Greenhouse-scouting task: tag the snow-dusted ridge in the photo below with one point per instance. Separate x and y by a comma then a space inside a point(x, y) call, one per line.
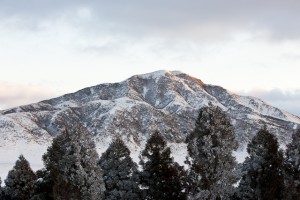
point(167, 101)
point(260, 107)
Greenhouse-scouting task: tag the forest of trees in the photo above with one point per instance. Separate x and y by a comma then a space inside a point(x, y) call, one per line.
point(74, 171)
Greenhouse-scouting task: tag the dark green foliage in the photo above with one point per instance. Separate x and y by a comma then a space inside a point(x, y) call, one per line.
point(210, 147)
point(120, 173)
point(263, 178)
point(162, 178)
point(72, 161)
point(1, 190)
point(19, 181)
point(42, 186)
point(292, 168)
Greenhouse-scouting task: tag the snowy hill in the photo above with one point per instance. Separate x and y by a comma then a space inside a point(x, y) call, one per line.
point(166, 101)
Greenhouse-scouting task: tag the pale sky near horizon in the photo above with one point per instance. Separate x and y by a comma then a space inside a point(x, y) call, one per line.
point(52, 47)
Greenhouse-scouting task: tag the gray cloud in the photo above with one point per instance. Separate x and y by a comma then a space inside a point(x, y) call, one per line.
point(286, 100)
point(214, 19)
point(99, 27)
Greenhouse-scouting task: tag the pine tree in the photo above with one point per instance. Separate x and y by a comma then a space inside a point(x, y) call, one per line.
point(210, 147)
point(19, 181)
point(120, 173)
point(72, 161)
point(42, 186)
point(1, 190)
point(292, 168)
point(162, 178)
point(262, 177)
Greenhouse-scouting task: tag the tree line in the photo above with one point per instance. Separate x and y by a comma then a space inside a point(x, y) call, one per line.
point(73, 170)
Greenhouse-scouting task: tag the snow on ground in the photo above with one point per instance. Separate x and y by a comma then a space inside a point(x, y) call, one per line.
point(32, 152)
point(176, 72)
point(258, 106)
point(261, 107)
point(145, 91)
point(292, 118)
point(35, 152)
point(295, 127)
point(179, 152)
point(240, 155)
point(67, 104)
point(155, 75)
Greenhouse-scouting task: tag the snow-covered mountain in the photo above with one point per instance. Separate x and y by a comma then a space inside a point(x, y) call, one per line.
point(167, 101)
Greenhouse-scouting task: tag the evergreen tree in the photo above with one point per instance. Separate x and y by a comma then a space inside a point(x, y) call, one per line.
point(120, 173)
point(262, 177)
point(292, 168)
point(72, 161)
point(162, 178)
point(210, 147)
point(1, 190)
point(19, 181)
point(42, 186)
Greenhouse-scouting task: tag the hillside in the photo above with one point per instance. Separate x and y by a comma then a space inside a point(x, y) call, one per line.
point(167, 101)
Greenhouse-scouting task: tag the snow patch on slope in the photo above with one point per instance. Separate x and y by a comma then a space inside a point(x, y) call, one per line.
point(179, 152)
point(292, 118)
point(158, 74)
point(22, 127)
point(176, 72)
point(67, 104)
point(260, 107)
point(240, 155)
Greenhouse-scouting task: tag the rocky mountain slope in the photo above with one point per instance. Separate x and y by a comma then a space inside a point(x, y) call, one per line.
point(163, 100)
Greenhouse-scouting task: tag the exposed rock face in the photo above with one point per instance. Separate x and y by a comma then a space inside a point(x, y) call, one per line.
point(164, 101)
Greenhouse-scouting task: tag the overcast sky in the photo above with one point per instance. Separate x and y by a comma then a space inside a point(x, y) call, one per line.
point(52, 47)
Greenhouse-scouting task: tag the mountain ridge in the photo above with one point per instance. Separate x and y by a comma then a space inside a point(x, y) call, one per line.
point(164, 101)
point(157, 92)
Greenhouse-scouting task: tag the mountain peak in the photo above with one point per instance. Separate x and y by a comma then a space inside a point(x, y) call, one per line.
point(159, 74)
point(164, 101)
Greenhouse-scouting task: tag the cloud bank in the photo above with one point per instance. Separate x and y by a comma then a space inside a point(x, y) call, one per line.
point(12, 95)
point(197, 19)
point(234, 43)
